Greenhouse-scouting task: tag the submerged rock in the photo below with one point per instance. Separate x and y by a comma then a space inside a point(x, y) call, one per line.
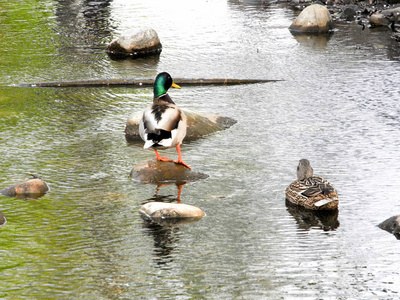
point(31, 188)
point(155, 171)
point(3, 220)
point(140, 43)
point(198, 125)
point(313, 19)
point(392, 225)
point(162, 210)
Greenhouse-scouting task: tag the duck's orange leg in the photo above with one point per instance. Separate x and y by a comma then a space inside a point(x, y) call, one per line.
point(180, 161)
point(179, 186)
point(158, 157)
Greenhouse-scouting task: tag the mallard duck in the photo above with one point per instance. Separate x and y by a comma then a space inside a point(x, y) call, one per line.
point(310, 191)
point(163, 124)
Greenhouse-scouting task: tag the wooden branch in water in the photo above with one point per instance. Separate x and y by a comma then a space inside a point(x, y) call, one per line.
point(136, 83)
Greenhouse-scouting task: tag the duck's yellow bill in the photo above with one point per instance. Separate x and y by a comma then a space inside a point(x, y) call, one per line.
point(174, 85)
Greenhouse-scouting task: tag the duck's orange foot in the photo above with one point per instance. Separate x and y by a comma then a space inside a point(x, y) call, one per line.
point(182, 163)
point(163, 158)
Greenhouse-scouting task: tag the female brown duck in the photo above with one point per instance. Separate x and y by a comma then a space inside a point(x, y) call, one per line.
point(310, 191)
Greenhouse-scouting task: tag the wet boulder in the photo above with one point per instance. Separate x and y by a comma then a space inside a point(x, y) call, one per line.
point(385, 17)
point(32, 188)
point(378, 19)
point(134, 44)
point(198, 125)
point(162, 210)
point(392, 225)
point(313, 19)
point(154, 171)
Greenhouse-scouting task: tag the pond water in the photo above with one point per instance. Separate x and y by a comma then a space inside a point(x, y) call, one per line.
point(337, 106)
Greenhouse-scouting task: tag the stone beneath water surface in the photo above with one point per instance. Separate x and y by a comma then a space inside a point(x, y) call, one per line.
point(31, 188)
point(3, 220)
point(161, 211)
point(313, 19)
point(133, 44)
point(198, 125)
point(392, 225)
point(154, 171)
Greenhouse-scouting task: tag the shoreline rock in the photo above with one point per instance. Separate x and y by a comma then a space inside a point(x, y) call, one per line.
point(385, 17)
point(313, 19)
point(367, 14)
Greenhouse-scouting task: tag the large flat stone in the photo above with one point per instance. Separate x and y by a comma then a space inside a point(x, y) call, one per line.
point(154, 171)
point(198, 125)
point(165, 210)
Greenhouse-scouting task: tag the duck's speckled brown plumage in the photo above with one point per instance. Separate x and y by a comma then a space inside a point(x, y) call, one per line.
point(312, 192)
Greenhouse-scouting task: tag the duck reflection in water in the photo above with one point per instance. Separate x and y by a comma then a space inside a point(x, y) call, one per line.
point(168, 198)
point(165, 237)
point(307, 219)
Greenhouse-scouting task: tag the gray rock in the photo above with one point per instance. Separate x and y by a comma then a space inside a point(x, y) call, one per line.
point(392, 225)
point(313, 19)
point(140, 43)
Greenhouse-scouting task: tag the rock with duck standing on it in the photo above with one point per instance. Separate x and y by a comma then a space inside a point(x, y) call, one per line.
point(313, 19)
point(133, 44)
point(32, 188)
point(166, 211)
point(156, 171)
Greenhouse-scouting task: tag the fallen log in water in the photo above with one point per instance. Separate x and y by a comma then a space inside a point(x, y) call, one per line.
point(142, 82)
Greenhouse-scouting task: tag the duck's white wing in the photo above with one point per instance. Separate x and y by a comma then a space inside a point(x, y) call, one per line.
point(162, 125)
